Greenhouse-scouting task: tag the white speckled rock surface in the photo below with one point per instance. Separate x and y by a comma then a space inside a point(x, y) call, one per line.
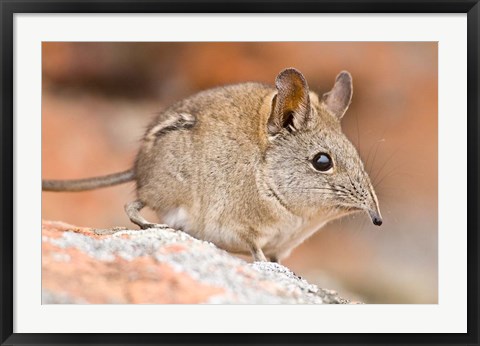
point(158, 266)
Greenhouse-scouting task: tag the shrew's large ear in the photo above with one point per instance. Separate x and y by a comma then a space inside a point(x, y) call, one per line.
point(338, 99)
point(291, 104)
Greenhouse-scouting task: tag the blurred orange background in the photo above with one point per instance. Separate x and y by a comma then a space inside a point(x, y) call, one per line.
point(97, 99)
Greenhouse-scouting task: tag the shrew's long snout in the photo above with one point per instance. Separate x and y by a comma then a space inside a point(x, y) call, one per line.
point(368, 200)
point(374, 211)
point(373, 208)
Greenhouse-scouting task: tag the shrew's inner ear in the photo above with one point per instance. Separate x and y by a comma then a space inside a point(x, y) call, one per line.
point(291, 104)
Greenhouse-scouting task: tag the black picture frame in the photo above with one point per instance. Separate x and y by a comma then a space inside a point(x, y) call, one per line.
point(10, 7)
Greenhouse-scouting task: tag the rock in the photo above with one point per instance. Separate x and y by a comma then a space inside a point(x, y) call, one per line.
point(155, 266)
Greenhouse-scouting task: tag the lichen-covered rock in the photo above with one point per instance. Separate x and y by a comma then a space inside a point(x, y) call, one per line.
point(156, 266)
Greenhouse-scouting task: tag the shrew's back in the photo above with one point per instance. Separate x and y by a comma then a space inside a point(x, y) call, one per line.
point(198, 160)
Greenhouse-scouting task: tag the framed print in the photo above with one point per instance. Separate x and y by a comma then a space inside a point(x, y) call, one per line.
point(266, 172)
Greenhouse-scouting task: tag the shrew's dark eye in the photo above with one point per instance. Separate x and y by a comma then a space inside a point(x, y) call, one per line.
point(322, 162)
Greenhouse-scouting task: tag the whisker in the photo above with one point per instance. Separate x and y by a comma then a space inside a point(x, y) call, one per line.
point(329, 192)
point(370, 150)
point(385, 131)
point(315, 188)
point(372, 164)
point(358, 135)
point(393, 172)
point(385, 163)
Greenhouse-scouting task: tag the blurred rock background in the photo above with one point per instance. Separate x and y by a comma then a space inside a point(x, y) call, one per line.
point(97, 99)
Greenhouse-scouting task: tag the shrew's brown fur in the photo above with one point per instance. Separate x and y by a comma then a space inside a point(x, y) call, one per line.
point(235, 166)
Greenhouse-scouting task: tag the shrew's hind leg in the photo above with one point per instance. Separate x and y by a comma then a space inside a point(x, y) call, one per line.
point(133, 211)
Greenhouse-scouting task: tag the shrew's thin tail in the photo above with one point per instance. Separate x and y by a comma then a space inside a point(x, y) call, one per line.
point(88, 183)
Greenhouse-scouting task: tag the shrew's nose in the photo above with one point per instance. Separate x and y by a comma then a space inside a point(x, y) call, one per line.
point(377, 221)
point(376, 217)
